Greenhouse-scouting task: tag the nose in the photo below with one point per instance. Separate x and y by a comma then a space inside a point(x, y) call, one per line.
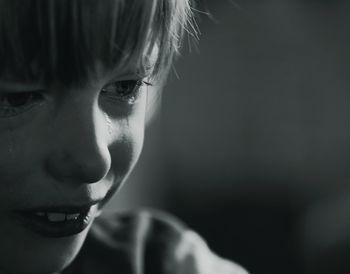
point(79, 151)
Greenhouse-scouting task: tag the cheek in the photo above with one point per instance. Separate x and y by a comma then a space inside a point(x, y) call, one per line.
point(21, 171)
point(17, 163)
point(126, 151)
point(126, 148)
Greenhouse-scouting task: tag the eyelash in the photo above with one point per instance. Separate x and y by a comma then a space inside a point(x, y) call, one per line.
point(12, 104)
point(125, 94)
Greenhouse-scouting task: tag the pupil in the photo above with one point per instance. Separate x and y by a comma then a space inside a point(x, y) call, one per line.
point(127, 87)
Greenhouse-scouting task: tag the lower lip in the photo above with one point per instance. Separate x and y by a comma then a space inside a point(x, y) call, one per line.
point(49, 229)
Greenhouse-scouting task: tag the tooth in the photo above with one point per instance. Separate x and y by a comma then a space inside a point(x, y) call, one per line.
point(72, 216)
point(56, 217)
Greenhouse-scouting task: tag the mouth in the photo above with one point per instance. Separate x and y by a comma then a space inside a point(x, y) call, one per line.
point(56, 221)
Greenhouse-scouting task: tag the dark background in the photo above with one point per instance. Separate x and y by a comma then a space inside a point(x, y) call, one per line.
point(251, 143)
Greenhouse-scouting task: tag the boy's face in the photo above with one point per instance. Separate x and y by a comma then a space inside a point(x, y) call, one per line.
point(63, 152)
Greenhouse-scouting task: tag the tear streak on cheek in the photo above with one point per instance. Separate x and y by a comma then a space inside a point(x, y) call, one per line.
point(109, 124)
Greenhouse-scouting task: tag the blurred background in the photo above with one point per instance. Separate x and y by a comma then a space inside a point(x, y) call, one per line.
point(251, 144)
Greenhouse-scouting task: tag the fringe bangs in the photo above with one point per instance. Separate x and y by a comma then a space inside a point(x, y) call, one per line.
point(62, 40)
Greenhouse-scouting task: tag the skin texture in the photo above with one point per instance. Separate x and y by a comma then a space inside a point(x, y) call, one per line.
point(73, 146)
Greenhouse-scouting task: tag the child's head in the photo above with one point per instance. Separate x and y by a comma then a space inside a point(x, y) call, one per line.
point(64, 40)
point(74, 76)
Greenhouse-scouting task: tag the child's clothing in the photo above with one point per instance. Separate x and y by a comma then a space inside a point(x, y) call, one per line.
point(146, 242)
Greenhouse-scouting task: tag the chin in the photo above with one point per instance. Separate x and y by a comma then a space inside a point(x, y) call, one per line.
point(43, 255)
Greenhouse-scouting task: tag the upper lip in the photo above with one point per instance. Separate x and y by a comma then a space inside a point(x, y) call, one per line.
point(61, 208)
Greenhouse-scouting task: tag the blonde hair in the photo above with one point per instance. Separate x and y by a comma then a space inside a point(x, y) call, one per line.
point(61, 40)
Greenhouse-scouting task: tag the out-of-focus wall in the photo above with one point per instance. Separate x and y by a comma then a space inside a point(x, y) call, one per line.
point(251, 147)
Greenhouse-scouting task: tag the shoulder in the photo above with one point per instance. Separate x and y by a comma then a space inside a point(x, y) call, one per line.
point(151, 241)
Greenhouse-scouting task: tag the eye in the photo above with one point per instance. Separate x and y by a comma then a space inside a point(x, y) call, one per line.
point(15, 103)
point(126, 91)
